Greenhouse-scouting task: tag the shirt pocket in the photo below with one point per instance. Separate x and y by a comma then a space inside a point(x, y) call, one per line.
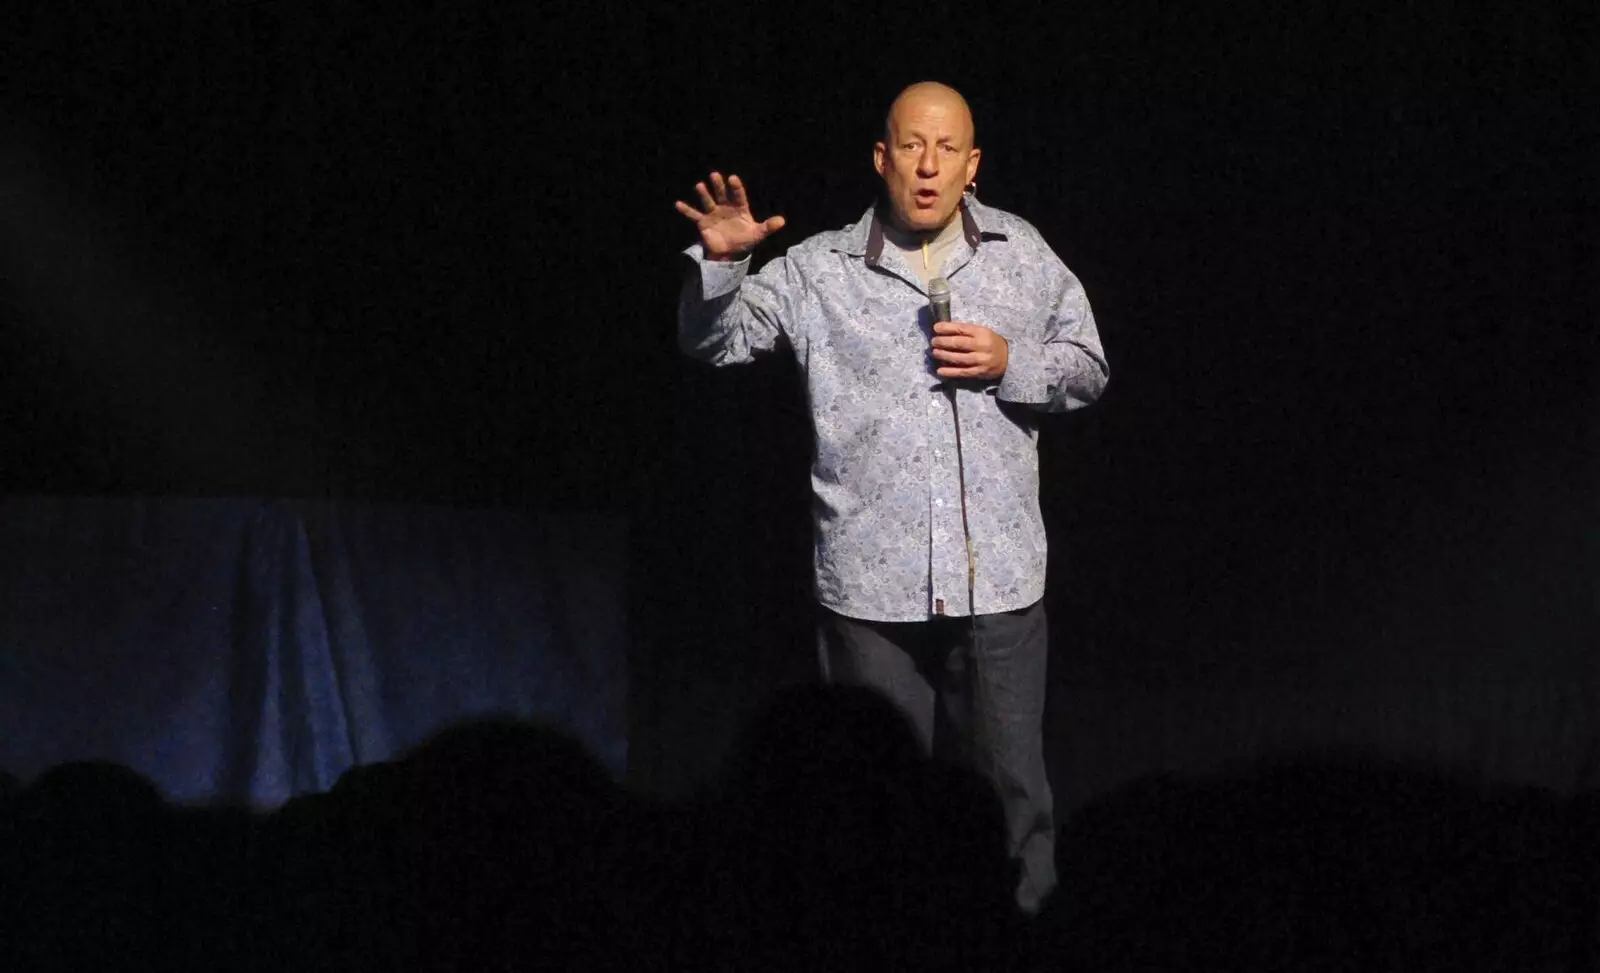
point(876, 342)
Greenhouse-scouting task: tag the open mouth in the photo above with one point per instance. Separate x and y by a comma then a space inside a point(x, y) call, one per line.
point(926, 197)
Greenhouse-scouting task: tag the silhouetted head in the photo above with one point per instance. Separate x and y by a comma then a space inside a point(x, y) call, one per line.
point(91, 789)
point(814, 733)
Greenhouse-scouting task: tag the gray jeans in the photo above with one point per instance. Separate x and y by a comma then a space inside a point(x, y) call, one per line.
point(981, 704)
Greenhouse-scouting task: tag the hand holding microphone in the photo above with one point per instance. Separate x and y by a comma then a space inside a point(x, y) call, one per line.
point(968, 350)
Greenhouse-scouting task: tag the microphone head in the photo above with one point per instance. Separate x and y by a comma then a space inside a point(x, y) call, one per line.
point(939, 299)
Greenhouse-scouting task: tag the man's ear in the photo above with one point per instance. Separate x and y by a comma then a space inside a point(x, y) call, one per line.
point(973, 158)
point(878, 151)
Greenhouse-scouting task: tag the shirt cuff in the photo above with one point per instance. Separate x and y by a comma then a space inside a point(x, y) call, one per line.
point(718, 277)
point(1027, 380)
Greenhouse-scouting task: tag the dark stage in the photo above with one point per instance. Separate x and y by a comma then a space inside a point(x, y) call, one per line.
point(340, 403)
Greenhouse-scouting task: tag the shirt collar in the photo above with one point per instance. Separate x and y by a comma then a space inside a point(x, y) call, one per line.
point(866, 237)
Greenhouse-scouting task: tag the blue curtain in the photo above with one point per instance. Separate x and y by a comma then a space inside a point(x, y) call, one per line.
point(250, 651)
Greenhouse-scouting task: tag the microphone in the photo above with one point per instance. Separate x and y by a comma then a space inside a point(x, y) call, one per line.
point(939, 306)
point(939, 299)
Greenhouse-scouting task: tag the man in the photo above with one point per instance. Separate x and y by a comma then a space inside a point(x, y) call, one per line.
point(925, 470)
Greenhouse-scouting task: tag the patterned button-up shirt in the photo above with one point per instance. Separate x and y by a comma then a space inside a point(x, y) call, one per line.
point(887, 497)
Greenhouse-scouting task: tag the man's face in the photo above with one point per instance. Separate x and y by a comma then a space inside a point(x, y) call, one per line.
point(926, 160)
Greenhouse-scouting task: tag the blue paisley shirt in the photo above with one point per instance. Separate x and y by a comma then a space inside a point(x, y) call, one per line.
point(886, 487)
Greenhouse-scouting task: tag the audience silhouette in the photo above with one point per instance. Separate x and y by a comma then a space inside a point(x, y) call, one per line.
point(829, 842)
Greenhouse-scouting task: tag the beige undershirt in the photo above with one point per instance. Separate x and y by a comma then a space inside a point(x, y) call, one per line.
point(937, 245)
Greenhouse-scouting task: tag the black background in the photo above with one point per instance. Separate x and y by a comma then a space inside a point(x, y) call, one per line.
point(1341, 256)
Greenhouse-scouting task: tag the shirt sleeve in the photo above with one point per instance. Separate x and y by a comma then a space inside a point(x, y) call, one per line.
point(1065, 369)
point(727, 316)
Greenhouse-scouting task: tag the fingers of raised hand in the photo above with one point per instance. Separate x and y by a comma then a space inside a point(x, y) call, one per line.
point(958, 342)
point(716, 194)
point(706, 202)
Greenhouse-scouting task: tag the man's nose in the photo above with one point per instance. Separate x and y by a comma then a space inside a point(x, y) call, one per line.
point(928, 164)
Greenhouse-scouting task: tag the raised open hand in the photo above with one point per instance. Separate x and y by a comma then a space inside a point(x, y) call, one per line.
point(727, 229)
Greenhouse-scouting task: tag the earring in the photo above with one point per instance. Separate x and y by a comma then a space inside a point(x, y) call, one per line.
point(972, 189)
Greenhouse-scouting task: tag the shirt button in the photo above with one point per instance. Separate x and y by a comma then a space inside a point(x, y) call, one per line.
point(938, 503)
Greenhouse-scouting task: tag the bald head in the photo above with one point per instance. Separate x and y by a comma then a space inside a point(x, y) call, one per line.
point(929, 94)
point(928, 154)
